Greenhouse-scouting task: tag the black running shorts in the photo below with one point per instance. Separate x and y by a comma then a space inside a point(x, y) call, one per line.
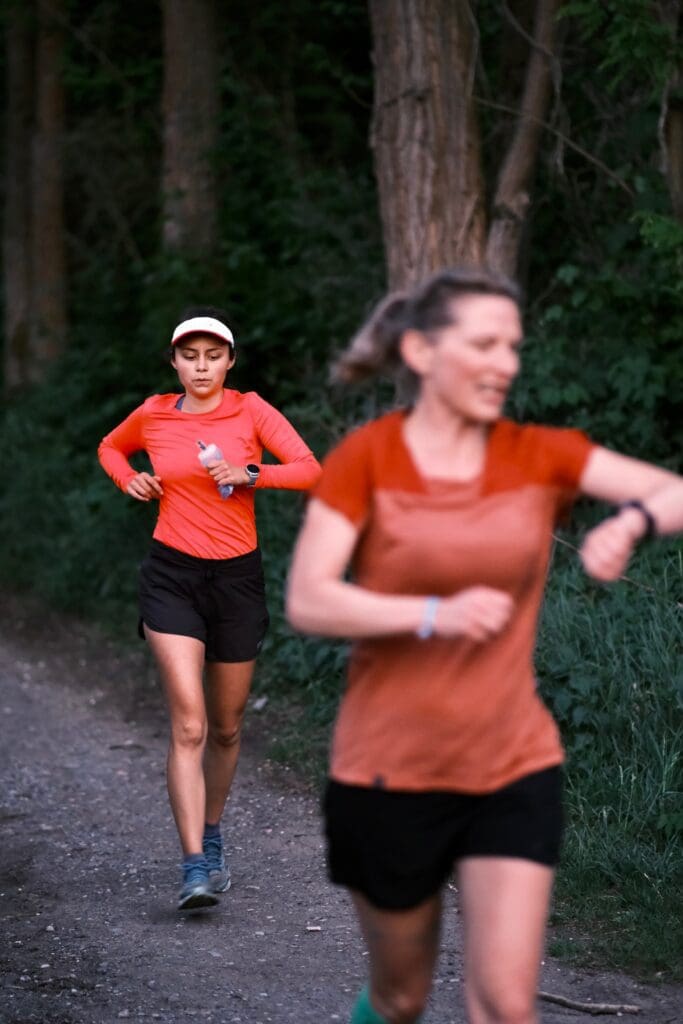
point(221, 602)
point(398, 848)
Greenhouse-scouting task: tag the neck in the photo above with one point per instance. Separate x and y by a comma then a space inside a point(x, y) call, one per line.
point(445, 444)
point(193, 404)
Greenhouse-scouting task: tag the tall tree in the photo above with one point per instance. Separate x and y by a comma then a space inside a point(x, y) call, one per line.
point(48, 258)
point(671, 119)
point(16, 221)
point(513, 189)
point(427, 140)
point(190, 113)
point(425, 135)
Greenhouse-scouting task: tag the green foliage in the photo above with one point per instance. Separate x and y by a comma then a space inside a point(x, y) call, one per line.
point(636, 37)
point(604, 354)
point(611, 668)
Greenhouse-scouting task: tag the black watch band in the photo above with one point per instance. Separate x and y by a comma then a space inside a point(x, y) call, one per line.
point(650, 524)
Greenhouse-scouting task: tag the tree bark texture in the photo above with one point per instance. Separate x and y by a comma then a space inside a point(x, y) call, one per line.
point(425, 136)
point(512, 197)
point(671, 117)
point(48, 258)
point(16, 221)
point(190, 113)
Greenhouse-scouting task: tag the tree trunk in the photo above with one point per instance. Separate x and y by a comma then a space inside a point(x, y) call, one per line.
point(425, 136)
point(671, 118)
point(512, 196)
point(48, 261)
point(190, 112)
point(16, 227)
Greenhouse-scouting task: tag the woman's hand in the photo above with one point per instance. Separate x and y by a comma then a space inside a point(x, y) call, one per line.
point(478, 613)
point(225, 473)
point(607, 548)
point(144, 486)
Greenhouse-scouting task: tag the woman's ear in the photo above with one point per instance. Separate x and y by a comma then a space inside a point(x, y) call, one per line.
point(417, 352)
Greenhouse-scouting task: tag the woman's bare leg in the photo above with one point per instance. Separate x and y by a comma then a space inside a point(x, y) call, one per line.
point(180, 660)
point(227, 691)
point(403, 946)
point(504, 902)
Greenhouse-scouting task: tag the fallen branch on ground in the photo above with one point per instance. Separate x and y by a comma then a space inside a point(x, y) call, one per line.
point(594, 1008)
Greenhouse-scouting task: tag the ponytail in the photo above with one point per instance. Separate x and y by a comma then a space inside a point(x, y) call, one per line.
point(374, 350)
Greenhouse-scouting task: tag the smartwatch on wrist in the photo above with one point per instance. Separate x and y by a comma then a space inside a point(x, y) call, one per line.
point(253, 472)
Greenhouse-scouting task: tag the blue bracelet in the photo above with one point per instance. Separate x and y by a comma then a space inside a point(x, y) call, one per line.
point(426, 627)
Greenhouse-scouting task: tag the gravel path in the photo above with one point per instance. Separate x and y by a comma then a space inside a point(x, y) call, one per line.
point(89, 868)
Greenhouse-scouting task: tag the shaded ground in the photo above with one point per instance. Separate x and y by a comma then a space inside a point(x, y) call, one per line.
point(89, 868)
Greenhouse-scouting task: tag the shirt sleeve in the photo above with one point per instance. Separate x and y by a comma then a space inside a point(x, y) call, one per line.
point(122, 442)
point(299, 469)
point(346, 484)
point(563, 453)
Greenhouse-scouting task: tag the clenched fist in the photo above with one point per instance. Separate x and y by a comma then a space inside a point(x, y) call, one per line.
point(607, 548)
point(144, 486)
point(478, 613)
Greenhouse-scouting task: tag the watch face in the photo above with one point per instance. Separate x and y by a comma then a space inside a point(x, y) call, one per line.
point(252, 469)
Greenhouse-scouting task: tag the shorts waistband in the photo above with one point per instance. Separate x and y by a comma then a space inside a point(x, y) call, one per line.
point(249, 562)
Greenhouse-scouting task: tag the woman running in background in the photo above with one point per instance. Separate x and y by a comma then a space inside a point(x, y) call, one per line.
point(202, 595)
point(443, 752)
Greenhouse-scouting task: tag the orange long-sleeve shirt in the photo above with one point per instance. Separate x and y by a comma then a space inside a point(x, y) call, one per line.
point(193, 517)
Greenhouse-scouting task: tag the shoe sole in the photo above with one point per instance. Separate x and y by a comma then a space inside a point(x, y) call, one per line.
point(197, 900)
point(217, 886)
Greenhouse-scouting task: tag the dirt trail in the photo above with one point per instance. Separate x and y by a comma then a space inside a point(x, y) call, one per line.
point(88, 869)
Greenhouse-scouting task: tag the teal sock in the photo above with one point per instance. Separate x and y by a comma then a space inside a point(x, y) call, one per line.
point(212, 830)
point(363, 1012)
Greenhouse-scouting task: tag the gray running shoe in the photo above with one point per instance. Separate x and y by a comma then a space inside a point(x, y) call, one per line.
point(219, 871)
point(196, 891)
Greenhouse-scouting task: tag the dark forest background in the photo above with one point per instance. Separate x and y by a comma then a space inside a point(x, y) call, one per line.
point(163, 154)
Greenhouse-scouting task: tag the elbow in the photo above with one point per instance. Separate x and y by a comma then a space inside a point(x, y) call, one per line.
point(294, 612)
point(298, 609)
point(315, 472)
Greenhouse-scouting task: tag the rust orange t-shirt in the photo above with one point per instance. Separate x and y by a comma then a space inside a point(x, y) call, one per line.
point(448, 713)
point(193, 517)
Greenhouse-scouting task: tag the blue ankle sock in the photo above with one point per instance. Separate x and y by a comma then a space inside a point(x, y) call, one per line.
point(363, 1013)
point(212, 830)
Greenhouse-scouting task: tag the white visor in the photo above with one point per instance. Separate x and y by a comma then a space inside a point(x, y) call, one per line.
point(203, 325)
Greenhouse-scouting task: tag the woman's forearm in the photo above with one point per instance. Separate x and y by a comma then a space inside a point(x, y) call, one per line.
point(340, 609)
point(300, 474)
point(666, 507)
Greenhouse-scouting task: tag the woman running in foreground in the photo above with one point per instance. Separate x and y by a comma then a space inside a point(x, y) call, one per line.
point(202, 596)
point(443, 752)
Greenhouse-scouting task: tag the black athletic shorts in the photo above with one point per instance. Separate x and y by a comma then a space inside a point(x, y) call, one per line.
point(398, 848)
point(220, 601)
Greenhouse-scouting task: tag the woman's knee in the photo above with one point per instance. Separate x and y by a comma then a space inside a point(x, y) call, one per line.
point(504, 1007)
point(225, 734)
point(188, 733)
